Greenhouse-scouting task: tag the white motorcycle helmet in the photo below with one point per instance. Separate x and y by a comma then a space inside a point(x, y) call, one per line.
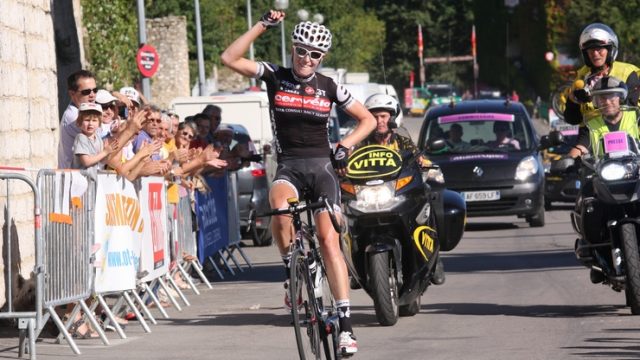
point(312, 34)
point(385, 102)
point(609, 85)
point(596, 35)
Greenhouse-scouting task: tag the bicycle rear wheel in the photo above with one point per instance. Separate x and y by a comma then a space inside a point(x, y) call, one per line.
point(306, 322)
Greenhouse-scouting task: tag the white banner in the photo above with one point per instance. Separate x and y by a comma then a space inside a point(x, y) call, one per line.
point(154, 256)
point(118, 234)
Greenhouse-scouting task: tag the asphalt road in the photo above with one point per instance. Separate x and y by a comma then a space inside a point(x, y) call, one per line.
point(512, 292)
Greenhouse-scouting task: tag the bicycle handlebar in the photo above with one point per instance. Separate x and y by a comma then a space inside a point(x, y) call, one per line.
point(293, 209)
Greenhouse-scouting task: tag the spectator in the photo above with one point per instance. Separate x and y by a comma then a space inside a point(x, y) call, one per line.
point(175, 122)
point(81, 86)
point(134, 100)
point(150, 129)
point(467, 95)
point(88, 148)
point(204, 125)
point(514, 96)
point(215, 116)
point(109, 111)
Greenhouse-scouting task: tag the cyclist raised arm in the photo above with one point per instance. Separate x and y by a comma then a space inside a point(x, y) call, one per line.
point(300, 101)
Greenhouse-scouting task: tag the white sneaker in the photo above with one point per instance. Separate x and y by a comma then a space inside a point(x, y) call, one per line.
point(348, 345)
point(287, 301)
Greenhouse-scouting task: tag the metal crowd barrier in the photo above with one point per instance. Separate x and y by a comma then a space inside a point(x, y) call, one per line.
point(68, 231)
point(28, 321)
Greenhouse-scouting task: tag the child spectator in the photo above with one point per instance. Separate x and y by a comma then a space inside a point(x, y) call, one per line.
point(88, 149)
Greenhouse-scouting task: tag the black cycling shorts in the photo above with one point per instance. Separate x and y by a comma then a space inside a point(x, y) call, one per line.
point(315, 174)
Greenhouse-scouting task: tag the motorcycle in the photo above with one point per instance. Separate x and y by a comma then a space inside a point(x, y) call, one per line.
point(607, 215)
point(561, 179)
point(396, 222)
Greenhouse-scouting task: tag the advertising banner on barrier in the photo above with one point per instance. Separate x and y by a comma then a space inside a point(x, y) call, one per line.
point(211, 212)
point(118, 233)
point(154, 254)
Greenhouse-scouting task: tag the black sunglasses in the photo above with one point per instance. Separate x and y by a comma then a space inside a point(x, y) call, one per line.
point(313, 54)
point(86, 92)
point(110, 105)
point(187, 134)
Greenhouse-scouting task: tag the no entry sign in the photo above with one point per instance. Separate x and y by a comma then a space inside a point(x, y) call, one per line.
point(148, 60)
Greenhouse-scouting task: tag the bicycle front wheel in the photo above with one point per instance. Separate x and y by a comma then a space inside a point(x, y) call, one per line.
point(306, 321)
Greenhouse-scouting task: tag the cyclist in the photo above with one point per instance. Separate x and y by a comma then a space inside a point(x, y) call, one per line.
point(386, 110)
point(300, 101)
point(599, 46)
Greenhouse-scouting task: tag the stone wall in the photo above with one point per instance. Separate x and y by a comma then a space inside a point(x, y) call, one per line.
point(29, 108)
point(169, 36)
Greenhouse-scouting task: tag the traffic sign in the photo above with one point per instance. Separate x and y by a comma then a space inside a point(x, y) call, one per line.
point(148, 60)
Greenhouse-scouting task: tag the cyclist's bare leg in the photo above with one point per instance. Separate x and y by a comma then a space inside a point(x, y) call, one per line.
point(332, 255)
point(281, 225)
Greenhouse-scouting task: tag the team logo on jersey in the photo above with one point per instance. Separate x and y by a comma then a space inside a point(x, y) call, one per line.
point(286, 100)
point(309, 90)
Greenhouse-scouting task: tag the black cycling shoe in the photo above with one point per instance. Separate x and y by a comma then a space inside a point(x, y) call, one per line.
point(438, 274)
point(596, 276)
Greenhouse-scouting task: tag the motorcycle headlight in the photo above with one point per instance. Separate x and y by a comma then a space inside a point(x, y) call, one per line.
point(527, 167)
point(376, 198)
point(618, 171)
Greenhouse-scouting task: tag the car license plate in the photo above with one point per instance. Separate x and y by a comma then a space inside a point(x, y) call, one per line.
point(491, 195)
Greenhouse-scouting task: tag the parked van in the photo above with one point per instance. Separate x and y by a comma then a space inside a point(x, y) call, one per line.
point(249, 109)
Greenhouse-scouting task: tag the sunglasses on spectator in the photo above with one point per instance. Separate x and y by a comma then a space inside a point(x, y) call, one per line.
point(313, 54)
point(110, 105)
point(187, 135)
point(157, 121)
point(86, 92)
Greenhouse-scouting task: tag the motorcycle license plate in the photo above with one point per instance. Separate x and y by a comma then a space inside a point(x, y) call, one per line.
point(490, 195)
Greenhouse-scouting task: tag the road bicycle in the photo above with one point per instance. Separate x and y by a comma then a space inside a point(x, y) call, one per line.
point(315, 319)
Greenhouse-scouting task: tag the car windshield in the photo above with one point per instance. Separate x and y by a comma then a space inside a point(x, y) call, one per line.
point(479, 133)
point(441, 91)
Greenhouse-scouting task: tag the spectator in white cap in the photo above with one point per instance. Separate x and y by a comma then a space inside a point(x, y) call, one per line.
point(136, 100)
point(88, 149)
point(108, 103)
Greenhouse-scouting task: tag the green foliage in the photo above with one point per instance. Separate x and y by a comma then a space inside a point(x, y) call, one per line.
point(111, 41)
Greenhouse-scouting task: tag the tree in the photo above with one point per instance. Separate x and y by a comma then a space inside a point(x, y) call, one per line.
point(111, 41)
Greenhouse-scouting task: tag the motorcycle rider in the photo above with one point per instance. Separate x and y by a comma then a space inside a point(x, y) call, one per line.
point(608, 94)
point(300, 101)
point(599, 47)
point(386, 110)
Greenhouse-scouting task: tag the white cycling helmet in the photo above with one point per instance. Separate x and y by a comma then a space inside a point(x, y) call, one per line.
point(312, 34)
point(385, 102)
point(595, 35)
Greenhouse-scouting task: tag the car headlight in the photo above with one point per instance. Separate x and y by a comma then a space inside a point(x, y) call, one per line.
point(376, 198)
point(527, 167)
point(617, 171)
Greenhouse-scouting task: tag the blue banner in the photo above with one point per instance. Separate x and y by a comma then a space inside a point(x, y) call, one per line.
point(211, 212)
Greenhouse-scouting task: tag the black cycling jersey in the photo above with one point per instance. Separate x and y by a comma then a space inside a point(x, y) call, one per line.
point(299, 110)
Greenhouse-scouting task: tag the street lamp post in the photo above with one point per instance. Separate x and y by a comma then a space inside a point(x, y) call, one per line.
point(282, 5)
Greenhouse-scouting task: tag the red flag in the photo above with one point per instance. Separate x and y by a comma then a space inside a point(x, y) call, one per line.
point(473, 41)
point(420, 46)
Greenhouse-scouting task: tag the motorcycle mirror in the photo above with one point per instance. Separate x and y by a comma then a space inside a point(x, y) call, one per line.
point(556, 138)
point(436, 144)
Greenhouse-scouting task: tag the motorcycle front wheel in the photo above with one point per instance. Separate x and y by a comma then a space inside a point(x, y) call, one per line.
point(631, 266)
point(384, 288)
